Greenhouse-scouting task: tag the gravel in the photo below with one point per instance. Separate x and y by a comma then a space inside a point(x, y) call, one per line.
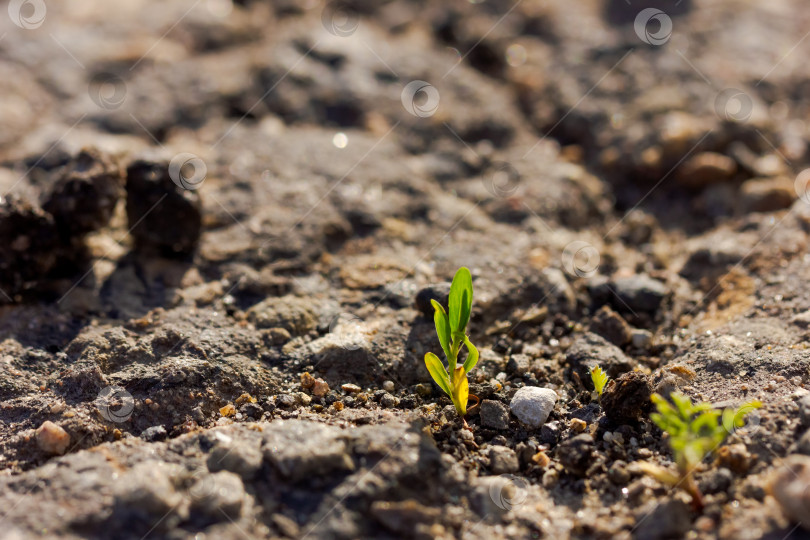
point(532, 405)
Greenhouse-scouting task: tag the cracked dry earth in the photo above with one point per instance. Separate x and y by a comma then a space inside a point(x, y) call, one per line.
point(244, 358)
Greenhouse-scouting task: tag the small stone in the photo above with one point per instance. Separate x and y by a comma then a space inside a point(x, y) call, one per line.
point(52, 439)
point(307, 381)
point(244, 459)
point(424, 390)
point(518, 364)
point(286, 400)
point(577, 425)
point(252, 410)
point(338, 406)
point(147, 488)
point(302, 399)
point(154, 433)
point(217, 496)
point(502, 460)
point(388, 386)
point(351, 388)
point(618, 473)
point(277, 336)
point(627, 397)
point(789, 486)
point(706, 168)
point(671, 518)
point(716, 481)
point(388, 401)
point(244, 398)
point(641, 339)
point(533, 405)
point(611, 326)
point(320, 388)
point(227, 410)
point(494, 414)
point(541, 459)
point(766, 194)
point(575, 454)
point(638, 293)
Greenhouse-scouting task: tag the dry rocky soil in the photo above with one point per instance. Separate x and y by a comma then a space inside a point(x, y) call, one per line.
point(222, 223)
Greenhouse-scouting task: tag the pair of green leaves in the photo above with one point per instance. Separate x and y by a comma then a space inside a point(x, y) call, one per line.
point(451, 326)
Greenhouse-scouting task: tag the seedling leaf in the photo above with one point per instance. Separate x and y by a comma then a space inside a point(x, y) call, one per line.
point(437, 371)
point(460, 302)
point(599, 378)
point(462, 391)
point(442, 327)
point(472, 355)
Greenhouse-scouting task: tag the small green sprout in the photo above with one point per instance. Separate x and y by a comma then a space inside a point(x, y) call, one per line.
point(695, 431)
point(599, 378)
point(450, 328)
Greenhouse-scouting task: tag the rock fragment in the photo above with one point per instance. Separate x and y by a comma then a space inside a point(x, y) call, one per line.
point(52, 439)
point(532, 405)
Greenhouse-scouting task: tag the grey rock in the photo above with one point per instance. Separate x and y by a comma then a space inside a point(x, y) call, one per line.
point(388, 401)
point(295, 314)
point(494, 414)
point(243, 458)
point(502, 460)
point(670, 518)
point(147, 490)
point(154, 433)
point(217, 496)
point(518, 364)
point(300, 450)
point(638, 293)
point(716, 481)
point(641, 339)
point(590, 350)
point(532, 405)
point(575, 454)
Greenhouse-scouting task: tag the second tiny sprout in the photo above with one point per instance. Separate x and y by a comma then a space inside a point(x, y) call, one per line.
point(450, 327)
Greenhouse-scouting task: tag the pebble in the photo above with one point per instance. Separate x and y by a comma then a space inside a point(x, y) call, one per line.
point(351, 388)
point(154, 433)
point(804, 410)
point(706, 168)
point(618, 473)
point(320, 388)
point(52, 439)
point(766, 194)
point(494, 414)
point(242, 459)
point(388, 401)
point(532, 405)
point(502, 459)
point(217, 496)
point(639, 293)
point(576, 453)
point(388, 386)
point(611, 326)
point(641, 339)
point(789, 486)
point(804, 443)
point(577, 425)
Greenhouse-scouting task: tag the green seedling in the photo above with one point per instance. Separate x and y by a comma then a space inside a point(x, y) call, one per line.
point(695, 431)
point(450, 327)
point(599, 379)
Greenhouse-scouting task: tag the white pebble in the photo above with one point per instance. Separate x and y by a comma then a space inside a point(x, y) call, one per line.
point(532, 405)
